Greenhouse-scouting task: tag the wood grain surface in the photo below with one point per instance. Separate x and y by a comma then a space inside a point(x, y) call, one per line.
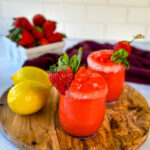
point(125, 127)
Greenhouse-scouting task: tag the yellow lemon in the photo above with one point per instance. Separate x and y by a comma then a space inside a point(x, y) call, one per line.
point(31, 73)
point(27, 97)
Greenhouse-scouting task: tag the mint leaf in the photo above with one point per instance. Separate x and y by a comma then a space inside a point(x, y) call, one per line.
point(73, 63)
point(126, 63)
point(79, 58)
point(118, 60)
point(63, 60)
point(120, 57)
point(113, 57)
point(124, 54)
point(54, 68)
point(121, 53)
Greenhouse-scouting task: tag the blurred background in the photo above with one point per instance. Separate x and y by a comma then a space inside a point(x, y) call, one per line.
point(84, 19)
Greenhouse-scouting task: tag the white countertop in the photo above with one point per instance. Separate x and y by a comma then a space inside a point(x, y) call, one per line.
point(8, 67)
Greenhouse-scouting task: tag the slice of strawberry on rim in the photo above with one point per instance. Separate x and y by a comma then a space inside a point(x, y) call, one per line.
point(61, 75)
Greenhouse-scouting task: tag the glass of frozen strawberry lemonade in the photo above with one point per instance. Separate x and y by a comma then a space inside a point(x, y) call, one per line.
point(83, 96)
point(82, 108)
point(114, 73)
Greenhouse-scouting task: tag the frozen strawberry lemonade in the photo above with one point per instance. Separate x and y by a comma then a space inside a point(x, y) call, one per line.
point(82, 108)
point(114, 73)
point(83, 96)
point(111, 64)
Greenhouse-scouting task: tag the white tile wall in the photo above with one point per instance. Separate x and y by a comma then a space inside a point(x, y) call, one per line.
point(123, 31)
point(89, 19)
point(106, 14)
point(61, 12)
point(60, 27)
point(148, 33)
point(12, 8)
point(88, 30)
point(0, 9)
point(5, 25)
point(129, 2)
point(87, 1)
point(139, 15)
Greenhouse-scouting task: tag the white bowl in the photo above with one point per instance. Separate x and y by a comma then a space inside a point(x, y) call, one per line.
point(41, 50)
point(18, 54)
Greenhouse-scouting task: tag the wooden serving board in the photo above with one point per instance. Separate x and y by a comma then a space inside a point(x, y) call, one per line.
point(125, 127)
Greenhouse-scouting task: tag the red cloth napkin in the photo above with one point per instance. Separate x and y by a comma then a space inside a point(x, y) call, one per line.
point(139, 71)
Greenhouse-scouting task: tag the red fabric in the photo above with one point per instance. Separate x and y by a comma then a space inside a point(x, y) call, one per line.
point(139, 71)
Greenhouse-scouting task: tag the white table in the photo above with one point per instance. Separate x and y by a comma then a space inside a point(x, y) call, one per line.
point(8, 67)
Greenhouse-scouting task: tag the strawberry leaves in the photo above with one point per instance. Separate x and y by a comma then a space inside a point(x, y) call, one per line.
point(15, 34)
point(120, 57)
point(64, 62)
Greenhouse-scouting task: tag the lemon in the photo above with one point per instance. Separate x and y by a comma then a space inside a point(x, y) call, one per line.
point(27, 97)
point(31, 73)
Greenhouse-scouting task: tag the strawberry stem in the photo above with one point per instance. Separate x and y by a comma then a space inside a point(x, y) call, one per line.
point(63, 35)
point(138, 36)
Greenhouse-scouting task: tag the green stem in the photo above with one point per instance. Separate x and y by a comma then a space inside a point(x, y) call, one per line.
point(138, 36)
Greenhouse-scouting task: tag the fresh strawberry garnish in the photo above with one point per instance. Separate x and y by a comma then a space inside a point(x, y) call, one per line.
point(62, 79)
point(49, 27)
point(123, 45)
point(22, 22)
point(39, 20)
point(61, 75)
point(38, 32)
point(56, 37)
point(43, 41)
point(126, 44)
point(122, 49)
point(21, 36)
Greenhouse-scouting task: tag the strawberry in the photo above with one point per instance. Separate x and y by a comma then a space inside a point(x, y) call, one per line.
point(122, 49)
point(22, 22)
point(61, 76)
point(30, 46)
point(43, 41)
point(62, 79)
point(38, 32)
point(21, 36)
point(56, 37)
point(39, 20)
point(49, 27)
point(123, 45)
point(126, 44)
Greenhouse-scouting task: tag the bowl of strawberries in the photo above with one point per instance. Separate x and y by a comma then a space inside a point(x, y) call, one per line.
point(37, 38)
